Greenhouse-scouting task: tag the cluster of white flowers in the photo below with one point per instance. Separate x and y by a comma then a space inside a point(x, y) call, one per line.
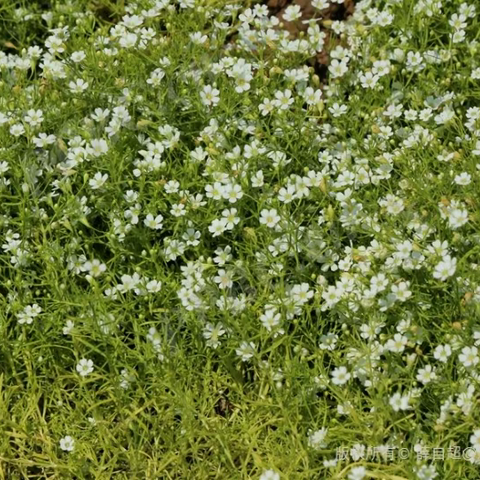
point(283, 218)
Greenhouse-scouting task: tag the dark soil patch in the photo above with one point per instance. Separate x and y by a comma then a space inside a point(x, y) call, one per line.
point(335, 11)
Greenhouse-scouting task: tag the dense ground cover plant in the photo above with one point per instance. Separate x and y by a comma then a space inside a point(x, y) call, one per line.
point(216, 264)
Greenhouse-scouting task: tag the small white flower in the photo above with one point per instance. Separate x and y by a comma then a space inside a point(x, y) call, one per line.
point(212, 334)
point(284, 99)
point(357, 473)
point(230, 216)
point(78, 56)
point(34, 117)
point(85, 367)
point(78, 86)
point(223, 279)
point(210, 96)
point(445, 268)
point(67, 443)
point(269, 475)
point(469, 356)
point(17, 130)
point(397, 344)
point(27, 315)
point(292, 13)
point(98, 181)
point(67, 329)
point(155, 223)
point(153, 286)
point(128, 40)
point(399, 402)
point(442, 352)
point(316, 439)
point(426, 375)
point(94, 267)
point(217, 227)
point(270, 218)
point(270, 319)
point(463, 178)
point(457, 217)
point(246, 351)
point(98, 147)
point(340, 376)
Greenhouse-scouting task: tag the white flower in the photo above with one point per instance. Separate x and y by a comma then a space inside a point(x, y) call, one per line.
point(357, 452)
point(357, 473)
point(287, 195)
point(311, 96)
point(212, 334)
point(223, 279)
point(427, 472)
point(463, 178)
point(78, 86)
point(98, 147)
point(442, 352)
point(369, 80)
point(78, 56)
point(457, 217)
point(269, 475)
point(85, 367)
point(316, 439)
point(331, 463)
point(284, 99)
point(128, 40)
point(129, 282)
point(67, 329)
point(34, 117)
point(338, 68)
point(126, 379)
point(215, 191)
point(99, 115)
point(267, 106)
point(27, 315)
point(426, 374)
point(270, 319)
point(397, 344)
point(209, 95)
point(320, 4)
point(155, 223)
point(476, 150)
point(399, 402)
point(231, 218)
point(270, 218)
point(328, 342)
point(246, 350)
point(301, 293)
point(232, 192)
point(340, 376)
point(153, 286)
point(17, 129)
point(338, 110)
point(445, 268)
point(42, 140)
point(94, 267)
point(475, 438)
point(98, 181)
point(469, 356)
point(197, 38)
point(401, 291)
point(67, 443)
point(217, 227)
point(292, 13)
